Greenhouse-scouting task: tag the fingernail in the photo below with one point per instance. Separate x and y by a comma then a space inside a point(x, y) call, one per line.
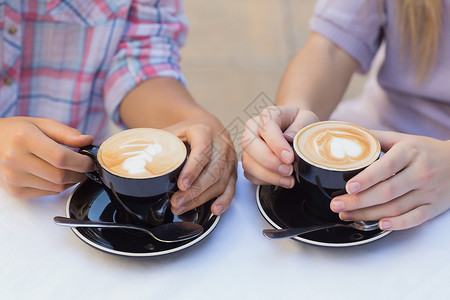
point(219, 209)
point(287, 182)
point(346, 216)
point(385, 225)
point(285, 170)
point(178, 211)
point(289, 135)
point(337, 206)
point(353, 187)
point(180, 201)
point(186, 183)
point(285, 156)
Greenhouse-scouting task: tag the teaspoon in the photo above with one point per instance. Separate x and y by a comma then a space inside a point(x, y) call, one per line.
point(291, 232)
point(166, 233)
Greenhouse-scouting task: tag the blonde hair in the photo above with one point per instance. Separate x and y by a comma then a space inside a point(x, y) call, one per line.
point(420, 28)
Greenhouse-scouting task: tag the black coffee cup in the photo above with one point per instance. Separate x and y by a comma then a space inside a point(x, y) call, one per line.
point(142, 201)
point(322, 183)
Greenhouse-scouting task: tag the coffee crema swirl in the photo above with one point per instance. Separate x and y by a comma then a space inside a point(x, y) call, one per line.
point(337, 145)
point(142, 153)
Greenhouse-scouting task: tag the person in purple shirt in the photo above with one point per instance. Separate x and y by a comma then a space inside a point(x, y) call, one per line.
point(407, 106)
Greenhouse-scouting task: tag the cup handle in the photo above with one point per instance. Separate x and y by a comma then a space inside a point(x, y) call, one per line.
point(92, 151)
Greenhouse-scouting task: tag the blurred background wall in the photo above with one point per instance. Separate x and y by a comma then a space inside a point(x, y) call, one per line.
point(236, 53)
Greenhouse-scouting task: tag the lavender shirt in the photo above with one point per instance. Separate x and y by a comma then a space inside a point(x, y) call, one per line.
point(392, 101)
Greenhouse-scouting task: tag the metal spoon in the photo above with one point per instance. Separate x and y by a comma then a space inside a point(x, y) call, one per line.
point(291, 232)
point(166, 233)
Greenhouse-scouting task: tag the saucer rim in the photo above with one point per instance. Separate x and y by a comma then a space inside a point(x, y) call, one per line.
point(132, 254)
point(313, 242)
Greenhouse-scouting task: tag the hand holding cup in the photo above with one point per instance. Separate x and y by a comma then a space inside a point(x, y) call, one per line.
point(404, 188)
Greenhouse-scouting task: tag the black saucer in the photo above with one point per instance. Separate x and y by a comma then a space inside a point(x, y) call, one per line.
point(284, 208)
point(89, 201)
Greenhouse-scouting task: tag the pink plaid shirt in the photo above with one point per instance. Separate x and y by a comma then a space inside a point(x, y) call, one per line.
point(75, 60)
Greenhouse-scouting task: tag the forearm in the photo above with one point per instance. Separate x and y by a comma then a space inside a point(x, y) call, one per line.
point(158, 103)
point(317, 77)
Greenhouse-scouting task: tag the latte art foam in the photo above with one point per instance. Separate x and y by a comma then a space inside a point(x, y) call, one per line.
point(337, 145)
point(138, 160)
point(342, 148)
point(142, 153)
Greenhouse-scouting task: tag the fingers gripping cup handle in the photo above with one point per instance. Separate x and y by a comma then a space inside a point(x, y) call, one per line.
point(92, 151)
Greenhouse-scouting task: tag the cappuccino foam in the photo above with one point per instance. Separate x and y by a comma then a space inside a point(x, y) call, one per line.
point(142, 153)
point(337, 145)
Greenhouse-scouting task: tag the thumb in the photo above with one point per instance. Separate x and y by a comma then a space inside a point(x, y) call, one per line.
point(303, 118)
point(63, 134)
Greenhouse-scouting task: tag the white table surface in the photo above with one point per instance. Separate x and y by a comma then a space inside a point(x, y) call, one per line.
point(40, 260)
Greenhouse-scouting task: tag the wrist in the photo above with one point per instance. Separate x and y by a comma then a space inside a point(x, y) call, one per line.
point(293, 100)
point(198, 116)
point(204, 117)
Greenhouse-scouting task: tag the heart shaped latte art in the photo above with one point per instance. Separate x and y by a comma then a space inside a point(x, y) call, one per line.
point(342, 147)
point(335, 146)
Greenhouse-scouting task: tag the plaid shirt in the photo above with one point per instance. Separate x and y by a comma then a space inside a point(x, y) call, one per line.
point(75, 60)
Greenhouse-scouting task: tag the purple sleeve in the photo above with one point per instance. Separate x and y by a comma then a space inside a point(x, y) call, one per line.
point(353, 25)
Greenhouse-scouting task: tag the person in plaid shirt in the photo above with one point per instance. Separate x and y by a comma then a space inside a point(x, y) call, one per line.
point(70, 66)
